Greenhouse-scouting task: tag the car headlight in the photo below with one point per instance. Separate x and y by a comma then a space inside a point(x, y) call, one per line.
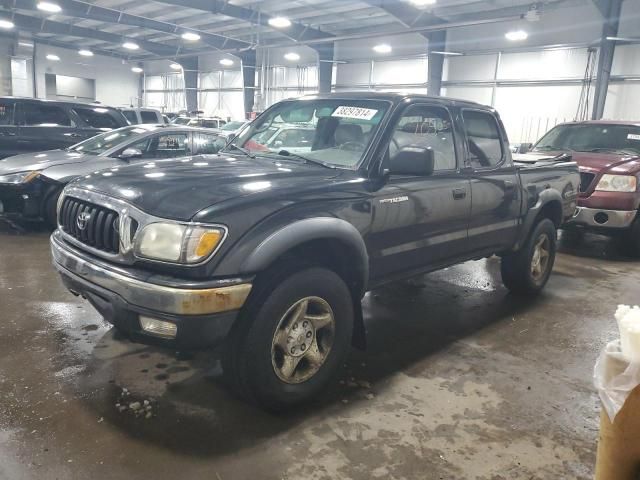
point(617, 183)
point(178, 243)
point(17, 178)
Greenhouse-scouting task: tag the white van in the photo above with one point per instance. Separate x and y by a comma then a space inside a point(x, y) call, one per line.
point(136, 116)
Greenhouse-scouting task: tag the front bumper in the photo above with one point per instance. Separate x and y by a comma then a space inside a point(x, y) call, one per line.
point(21, 201)
point(202, 311)
point(600, 218)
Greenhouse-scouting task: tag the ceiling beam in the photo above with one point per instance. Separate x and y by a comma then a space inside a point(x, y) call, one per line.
point(409, 16)
point(80, 9)
point(297, 31)
point(69, 46)
point(42, 25)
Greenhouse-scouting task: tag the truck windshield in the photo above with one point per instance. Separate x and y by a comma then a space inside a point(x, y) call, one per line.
point(333, 132)
point(594, 137)
point(105, 141)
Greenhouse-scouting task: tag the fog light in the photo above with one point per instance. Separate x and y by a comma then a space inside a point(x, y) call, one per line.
point(158, 328)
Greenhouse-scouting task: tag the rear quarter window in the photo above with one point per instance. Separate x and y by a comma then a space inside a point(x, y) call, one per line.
point(97, 117)
point(149, 117)
point(131, 116)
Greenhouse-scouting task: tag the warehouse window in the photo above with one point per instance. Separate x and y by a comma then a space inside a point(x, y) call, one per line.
point(428, 127)
point(483, 138)
point(39, 115)
point(97, 117)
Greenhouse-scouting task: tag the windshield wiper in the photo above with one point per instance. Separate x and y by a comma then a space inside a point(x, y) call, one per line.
point(287, 153)
point(546, 148)
point(233, 146)
point(612, 150)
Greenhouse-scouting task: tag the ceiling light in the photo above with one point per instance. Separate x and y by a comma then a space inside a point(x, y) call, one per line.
point(516, 35)
point(130, 46)
point(136, 69)
point(49, 7)
point(85, 53)
point(53, 58)
point(437, 52)
point(382, 48)
point(6, 24)
point(292, 56)
point(176, 66)
point(423, 3)
point(226, 62)
point(190, 36)
point(279, 22)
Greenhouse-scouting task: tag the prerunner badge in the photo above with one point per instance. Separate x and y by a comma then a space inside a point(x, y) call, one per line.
point(358, 113)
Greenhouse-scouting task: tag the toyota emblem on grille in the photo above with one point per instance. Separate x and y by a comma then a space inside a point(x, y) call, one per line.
point(83, 220)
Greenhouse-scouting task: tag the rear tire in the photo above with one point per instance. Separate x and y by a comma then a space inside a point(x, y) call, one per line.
point(291, 337)
point(527, 271)
point(630, 241)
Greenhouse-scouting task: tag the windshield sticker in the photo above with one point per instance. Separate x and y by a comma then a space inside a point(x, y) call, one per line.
point(357, 113)
point(633, 136)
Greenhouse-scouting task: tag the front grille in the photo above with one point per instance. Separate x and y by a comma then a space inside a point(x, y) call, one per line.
point(585, 180)
point(100, 226)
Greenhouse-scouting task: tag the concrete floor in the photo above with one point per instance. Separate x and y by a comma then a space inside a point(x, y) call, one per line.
point(460, 381)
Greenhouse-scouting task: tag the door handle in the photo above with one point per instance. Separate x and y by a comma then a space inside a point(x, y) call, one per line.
point(459, 193)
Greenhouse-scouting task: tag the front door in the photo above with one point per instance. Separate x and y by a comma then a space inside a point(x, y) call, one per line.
point(421, 222)
point(45, 127)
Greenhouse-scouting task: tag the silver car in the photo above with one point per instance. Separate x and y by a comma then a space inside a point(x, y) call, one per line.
point(31, 183)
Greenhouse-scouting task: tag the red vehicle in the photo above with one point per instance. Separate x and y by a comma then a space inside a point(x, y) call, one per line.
point(608, 155)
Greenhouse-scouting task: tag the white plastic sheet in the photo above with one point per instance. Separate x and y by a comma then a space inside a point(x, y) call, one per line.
point(615, 377)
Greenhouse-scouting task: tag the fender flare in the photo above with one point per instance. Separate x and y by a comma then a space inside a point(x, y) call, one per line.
point(544, 198)
point(302, 231)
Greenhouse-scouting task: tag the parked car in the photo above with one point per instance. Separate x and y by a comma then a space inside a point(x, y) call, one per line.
point(136, 116)
point(32, 125)
point(230, 129)
point(608, 155)
point(30, 184)
point(273, 251)
point(204, 122)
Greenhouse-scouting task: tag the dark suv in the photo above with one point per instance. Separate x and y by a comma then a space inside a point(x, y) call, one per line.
point(32, 125)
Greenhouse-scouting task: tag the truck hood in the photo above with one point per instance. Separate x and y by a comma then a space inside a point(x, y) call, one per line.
point(179, 189)
point(602, 162)
point(40, 161)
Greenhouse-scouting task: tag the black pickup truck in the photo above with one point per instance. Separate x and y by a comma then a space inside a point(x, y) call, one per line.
point(272, 248)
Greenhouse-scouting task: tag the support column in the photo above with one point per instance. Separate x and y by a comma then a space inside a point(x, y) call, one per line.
point(325, 66)
point(611, 11)
point(190, 71)
point(437, 41)
point(248, 58)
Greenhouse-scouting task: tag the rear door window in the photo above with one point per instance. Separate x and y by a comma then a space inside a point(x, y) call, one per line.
point(43, 115)
point(167, 145)
point(483, 139)
point(149, 117)
point(97, 117)
point(207, 144)
point(6, 113)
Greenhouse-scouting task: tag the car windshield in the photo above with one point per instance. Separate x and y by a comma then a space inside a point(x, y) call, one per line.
point(333, 132)
point(594, 137)
point(105, 141)
point(232, 126)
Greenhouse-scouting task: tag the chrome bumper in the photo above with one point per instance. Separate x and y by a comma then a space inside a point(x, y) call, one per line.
point(159, 298)
point(594, 217)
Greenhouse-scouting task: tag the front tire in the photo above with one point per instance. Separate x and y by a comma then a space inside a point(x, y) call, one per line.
point(293, 334)
point(527, 271)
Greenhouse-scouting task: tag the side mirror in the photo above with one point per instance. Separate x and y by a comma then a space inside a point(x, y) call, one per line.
point(412, 160)
point(130, 153)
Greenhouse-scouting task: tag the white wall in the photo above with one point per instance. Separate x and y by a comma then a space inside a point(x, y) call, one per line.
point(116, 84)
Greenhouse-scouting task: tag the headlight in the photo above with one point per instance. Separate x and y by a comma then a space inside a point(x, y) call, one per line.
point(173, 242)
point(617, 183)
point(16, 178)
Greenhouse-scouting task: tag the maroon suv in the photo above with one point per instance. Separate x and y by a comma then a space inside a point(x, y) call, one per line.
point(608, 154)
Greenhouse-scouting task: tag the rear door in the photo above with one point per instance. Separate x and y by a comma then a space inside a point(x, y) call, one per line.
point(8, 129)
point(495, 188)
point(421, 222)
point(45, 126)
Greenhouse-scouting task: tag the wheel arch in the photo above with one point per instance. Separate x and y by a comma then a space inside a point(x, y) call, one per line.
point(548, 205)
